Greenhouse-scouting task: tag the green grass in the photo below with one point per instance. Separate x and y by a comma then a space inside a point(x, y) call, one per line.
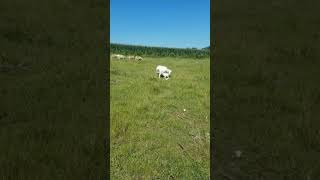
point(151, 136)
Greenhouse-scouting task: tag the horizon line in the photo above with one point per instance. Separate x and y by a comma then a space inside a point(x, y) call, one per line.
point(157, 46)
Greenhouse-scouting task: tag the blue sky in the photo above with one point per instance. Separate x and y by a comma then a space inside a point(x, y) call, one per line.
point(164, 23)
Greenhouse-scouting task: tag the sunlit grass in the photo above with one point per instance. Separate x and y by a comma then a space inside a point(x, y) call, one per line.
point(151, 135)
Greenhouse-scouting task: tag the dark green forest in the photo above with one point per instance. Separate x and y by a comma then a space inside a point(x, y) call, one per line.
point(159, 51)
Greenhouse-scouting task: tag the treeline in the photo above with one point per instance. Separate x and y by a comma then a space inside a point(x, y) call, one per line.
point(158, 51)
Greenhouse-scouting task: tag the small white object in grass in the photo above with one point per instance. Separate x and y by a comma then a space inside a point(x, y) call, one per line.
point(184, 110)
point(208, 135)
point(238, 153)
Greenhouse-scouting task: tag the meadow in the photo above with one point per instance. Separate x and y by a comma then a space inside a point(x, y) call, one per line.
point(152, 137)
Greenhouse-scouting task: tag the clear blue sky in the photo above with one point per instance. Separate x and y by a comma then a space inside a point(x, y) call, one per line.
point(165, 23)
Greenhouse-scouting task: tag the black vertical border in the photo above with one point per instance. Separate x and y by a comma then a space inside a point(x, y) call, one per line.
point(107, 138)
point(212, 116)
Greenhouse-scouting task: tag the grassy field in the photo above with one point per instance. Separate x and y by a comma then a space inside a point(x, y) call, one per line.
point(151, 135)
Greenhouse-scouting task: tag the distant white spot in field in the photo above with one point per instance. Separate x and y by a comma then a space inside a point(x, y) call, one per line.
point(120, 56)
point(208, 135)
point(138, 58)
point(163, 71)
point(237, 153)
point(184, 110)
